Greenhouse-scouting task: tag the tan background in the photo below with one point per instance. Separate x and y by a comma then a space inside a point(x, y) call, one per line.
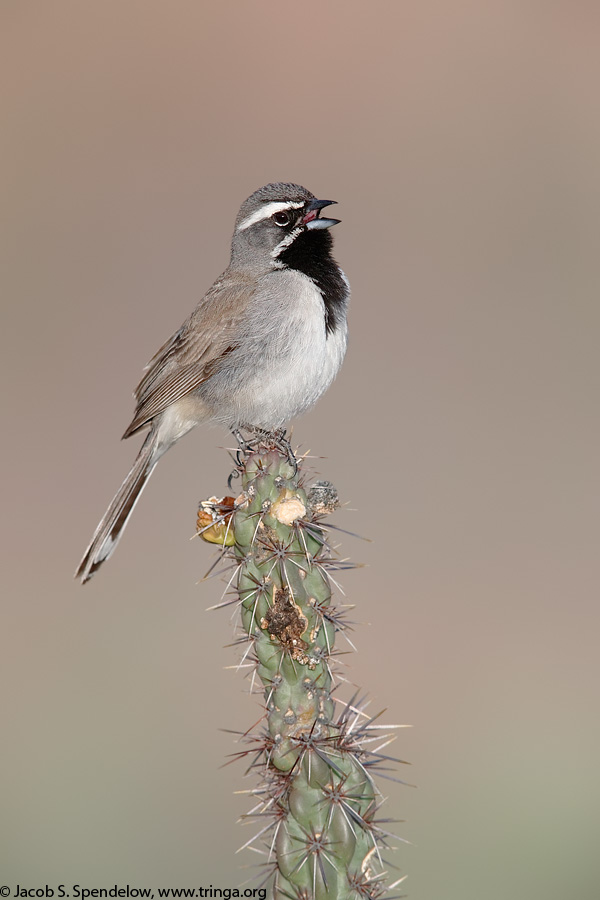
point(462, 143)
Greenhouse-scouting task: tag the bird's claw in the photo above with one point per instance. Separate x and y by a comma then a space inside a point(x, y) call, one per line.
point(261, 437)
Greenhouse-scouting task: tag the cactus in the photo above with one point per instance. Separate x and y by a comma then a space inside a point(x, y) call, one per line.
point(317, 803)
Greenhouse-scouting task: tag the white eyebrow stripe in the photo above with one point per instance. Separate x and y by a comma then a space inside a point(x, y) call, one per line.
point(269, 210)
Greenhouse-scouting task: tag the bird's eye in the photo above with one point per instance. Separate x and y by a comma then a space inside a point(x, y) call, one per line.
point(282, 218)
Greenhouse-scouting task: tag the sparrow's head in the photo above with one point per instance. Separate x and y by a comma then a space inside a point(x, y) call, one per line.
point(277, 218)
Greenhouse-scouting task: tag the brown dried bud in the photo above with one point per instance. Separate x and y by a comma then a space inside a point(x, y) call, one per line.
point(323, 498)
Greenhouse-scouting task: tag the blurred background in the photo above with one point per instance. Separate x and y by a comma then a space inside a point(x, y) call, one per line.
point(461, 141)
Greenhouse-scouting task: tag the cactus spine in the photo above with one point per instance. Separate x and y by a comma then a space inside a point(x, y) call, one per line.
point(317, 793)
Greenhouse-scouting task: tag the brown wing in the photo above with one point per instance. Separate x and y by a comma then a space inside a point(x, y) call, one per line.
point(194, 353)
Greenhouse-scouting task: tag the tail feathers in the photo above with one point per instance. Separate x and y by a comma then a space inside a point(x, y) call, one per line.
point(115, 518)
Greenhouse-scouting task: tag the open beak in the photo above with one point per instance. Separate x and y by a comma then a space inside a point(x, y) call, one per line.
point(311, 218)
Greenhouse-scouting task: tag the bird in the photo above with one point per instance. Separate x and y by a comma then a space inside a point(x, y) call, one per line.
point(259, 349)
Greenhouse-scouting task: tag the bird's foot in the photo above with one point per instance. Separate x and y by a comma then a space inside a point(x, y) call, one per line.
point(261, 437)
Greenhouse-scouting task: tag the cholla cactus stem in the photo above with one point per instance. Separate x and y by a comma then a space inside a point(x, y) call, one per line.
point(322, 839)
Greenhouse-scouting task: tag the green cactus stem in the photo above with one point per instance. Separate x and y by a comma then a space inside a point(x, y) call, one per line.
point(317, 803)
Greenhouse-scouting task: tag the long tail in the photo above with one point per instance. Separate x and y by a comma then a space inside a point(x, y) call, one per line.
point(115, 518)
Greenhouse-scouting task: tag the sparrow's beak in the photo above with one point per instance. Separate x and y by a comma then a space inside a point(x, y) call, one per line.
point(311, 218)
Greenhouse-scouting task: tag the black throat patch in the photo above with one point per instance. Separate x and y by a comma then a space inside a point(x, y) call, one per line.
point(310, 253)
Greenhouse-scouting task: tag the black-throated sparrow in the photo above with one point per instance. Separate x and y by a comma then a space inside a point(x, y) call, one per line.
point(260, 348)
